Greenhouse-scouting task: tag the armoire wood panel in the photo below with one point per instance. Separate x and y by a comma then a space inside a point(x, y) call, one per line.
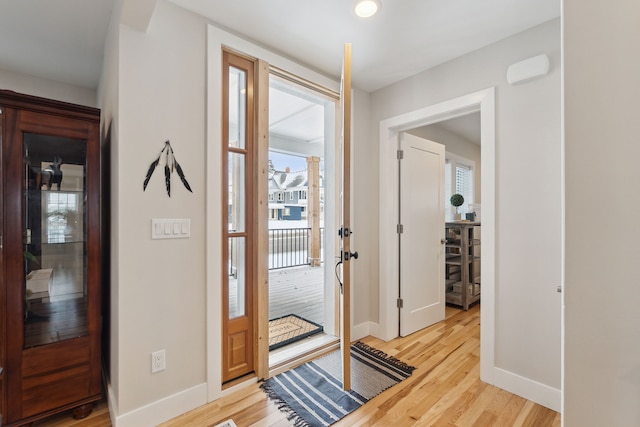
point(50, 319)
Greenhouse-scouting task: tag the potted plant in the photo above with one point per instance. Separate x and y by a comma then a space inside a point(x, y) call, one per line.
point(456, 201)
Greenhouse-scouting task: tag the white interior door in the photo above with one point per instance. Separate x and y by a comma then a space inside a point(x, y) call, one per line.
point(422, 290)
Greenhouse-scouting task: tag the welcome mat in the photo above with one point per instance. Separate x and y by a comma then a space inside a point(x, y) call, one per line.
point(288, 329)
point(312, 394)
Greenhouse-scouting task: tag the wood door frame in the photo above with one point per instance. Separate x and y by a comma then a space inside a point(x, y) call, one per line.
point(261, 203)
point(218, 39)
point(246, 322)
point(484, 102)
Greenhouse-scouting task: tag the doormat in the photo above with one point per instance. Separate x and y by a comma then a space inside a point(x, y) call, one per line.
point(289, 329)
point(311, 395)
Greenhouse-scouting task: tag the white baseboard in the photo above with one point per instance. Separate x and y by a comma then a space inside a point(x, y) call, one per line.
point(537, 392)
point(113, 408)
point(161, 410)
point(363, 330)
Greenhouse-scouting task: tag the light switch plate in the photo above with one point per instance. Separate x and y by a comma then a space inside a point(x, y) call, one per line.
point(170, 228)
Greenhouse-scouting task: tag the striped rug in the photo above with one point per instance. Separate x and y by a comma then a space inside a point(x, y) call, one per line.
point(312, 394)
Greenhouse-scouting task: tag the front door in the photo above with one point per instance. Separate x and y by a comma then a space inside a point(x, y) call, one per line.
point(422, 290)
point(345, 256)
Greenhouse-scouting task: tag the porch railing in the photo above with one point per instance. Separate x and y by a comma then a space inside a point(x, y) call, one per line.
point(288, 247)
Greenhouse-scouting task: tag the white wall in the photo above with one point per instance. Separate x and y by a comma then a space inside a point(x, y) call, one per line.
point(528, 197)
point(167, 292)
point(44, 88)
point(364, 270)
point(602, 128)
point(159, 285)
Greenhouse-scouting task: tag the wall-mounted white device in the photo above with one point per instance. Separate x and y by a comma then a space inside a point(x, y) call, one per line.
point(528, 69)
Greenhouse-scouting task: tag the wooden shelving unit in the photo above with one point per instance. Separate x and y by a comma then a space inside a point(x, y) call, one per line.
point(462, 263)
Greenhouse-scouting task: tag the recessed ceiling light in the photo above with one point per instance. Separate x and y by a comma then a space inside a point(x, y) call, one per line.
point(367, 8)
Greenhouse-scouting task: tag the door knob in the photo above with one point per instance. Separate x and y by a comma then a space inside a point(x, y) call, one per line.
point(349, 255)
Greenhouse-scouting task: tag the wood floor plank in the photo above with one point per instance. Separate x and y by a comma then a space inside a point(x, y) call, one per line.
point(495, 406)
point(463, 406)
point(507, 416)
point(486, 419)
point(477, 397)
point(444, 390)
point(538, 415)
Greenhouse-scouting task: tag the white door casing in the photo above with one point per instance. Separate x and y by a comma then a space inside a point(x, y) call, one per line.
point(216, 40)
point(421, 255)
point(483, 101)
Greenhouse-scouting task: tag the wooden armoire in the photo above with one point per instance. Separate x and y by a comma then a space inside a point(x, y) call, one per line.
point(50, 319)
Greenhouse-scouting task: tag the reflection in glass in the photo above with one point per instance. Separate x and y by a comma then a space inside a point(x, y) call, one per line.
point(54, 239)
point(237, 189)
point(237, 277)
point(237, 107)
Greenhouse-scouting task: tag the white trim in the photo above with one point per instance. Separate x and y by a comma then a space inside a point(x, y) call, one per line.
point(563, 219)
point(542, 394)
point(483, 101)
point(161, 410)
point(216, 40)
point(113, 406)
point(364, 329)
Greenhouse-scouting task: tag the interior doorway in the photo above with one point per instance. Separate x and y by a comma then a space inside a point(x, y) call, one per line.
point(484, 103)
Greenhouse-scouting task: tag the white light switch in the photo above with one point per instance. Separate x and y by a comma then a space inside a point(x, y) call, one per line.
point(170, 228)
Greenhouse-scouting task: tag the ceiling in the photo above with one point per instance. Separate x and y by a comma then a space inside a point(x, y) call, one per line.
point(63, 40)
point(60, 40)
point(405, 37)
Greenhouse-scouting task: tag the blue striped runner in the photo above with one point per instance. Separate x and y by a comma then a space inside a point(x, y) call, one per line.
point(312, 394)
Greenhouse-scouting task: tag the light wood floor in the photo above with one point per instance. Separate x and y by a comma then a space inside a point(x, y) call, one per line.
point(444, 390)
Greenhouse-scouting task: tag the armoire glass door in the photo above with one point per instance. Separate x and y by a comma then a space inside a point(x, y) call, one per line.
point(54, 234)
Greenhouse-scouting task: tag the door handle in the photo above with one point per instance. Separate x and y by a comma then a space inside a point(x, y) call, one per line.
point(443, 241)
point(349, 255)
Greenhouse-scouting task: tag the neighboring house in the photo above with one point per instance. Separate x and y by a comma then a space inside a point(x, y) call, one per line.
point(288, 194)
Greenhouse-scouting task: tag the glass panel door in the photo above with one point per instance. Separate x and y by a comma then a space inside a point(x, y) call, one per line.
point(54, 239)
point(238, 248)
